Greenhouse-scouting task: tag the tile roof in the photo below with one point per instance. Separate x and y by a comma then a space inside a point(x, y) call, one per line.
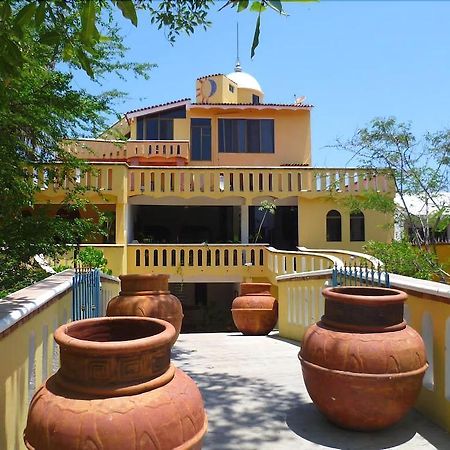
point(211, 75)
point(173, 102)
point(280, 105)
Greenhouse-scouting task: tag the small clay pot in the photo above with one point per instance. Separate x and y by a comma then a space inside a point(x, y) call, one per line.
point(116, 389)
point(147, 296)
point(362, 365)
point(255, 311)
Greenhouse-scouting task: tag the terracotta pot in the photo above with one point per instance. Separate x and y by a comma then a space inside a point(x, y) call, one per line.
point(255, 311)
point(116, 389)
point(147, 296)
point(362, 365)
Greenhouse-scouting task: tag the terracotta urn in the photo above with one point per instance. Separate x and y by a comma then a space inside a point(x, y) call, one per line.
point(116, 389)
point(362, 365)
point(147, 296)
point(255, 311)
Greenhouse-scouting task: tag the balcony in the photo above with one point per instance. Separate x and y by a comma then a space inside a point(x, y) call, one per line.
point(214, 182)
point(132, 152)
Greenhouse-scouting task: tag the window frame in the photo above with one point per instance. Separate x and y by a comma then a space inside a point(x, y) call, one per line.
point(221, 138)
point(356, 218)
point(328, 230)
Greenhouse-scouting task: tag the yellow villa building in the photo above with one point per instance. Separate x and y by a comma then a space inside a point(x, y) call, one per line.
point(184, 184)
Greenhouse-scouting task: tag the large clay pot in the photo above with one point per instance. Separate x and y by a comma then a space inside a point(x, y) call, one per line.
point(255, 311)
point(362, 365)
point(147, 296)
point(116, 389)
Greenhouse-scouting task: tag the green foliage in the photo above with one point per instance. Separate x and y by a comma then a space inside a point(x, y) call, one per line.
point(93, 258)
point(403, 258)
point(61, 268)
point(268, 207)
point(416, 167)
point(15, 276)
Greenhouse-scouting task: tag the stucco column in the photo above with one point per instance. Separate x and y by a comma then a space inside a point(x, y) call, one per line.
point(299, 222)
point(244, 224)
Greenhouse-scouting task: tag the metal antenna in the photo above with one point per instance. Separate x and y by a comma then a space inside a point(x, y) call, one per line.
point(237, 67)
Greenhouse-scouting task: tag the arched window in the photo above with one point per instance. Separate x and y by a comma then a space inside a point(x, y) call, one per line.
point(357, 227)
point(334, 226)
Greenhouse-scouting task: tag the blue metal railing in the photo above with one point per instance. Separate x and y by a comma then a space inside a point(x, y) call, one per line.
point(360, 276)
point(86, 294)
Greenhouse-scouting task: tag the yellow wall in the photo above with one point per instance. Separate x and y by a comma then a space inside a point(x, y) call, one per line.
point(443, 254)
point(433, 403)
point(222, 94)
point(312, 225)
point(292, 137)
point(14, 367)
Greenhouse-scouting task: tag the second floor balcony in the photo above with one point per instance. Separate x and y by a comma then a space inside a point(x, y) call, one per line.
point(121, 179)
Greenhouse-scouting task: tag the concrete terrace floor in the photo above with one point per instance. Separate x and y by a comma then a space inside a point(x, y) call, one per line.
point(256, 399)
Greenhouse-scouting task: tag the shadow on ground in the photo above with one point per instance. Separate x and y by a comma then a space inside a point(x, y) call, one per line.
point(247, 412)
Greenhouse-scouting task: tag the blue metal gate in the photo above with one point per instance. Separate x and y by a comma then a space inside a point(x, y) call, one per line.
point(86, 294)
point(360, 276)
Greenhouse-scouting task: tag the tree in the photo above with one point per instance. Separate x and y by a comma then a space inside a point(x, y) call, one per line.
point(419, 171)
point(39, 108)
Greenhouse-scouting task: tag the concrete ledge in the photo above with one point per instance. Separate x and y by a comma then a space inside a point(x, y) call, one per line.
point(20, 304)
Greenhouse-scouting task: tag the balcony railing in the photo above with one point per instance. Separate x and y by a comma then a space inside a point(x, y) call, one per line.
point(217, 182)
point(276, 181)
point(109, 150)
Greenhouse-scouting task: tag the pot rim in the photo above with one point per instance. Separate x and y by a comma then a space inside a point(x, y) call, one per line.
point(165, 337)
point(344, 294)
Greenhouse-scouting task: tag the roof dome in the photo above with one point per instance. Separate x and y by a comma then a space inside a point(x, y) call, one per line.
point(244, 80)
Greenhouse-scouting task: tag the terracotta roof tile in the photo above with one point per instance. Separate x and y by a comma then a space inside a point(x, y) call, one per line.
point(294, 105)
point(159, 106)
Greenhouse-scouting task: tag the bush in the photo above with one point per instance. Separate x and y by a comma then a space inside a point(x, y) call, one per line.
point(403, 258)
point(93, 258)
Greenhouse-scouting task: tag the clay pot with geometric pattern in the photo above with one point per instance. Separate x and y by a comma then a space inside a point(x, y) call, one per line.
point(147, 296)
point(362, 364)
point(116, 389)
point(255, 311)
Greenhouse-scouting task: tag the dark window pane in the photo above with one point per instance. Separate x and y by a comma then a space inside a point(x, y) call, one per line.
point(140, 128)
point(151, 132)
point(334, 226)
point(253, 136)
point(255, 99)
point(196, 144)
point(357, 227)
point(267, 136)
point(201, 122)
point(241, 136)
point(206, 147)
point(166, 129)
point(200, 139)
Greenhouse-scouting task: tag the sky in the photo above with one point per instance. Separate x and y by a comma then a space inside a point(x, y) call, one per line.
point(353, 60)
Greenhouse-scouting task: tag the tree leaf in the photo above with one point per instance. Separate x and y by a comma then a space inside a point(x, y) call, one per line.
point(128, 10)
point(50, 38)
point(277, 5)
point(39, 17)
point(84, 62)
point(256, 37)
point(5, 10)
point(257, 6)
point(243, 4)
point(88, 16)
point(24, 16)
